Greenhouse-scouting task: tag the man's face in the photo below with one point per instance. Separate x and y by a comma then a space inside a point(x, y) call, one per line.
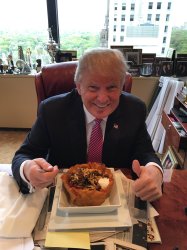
point(100, 94)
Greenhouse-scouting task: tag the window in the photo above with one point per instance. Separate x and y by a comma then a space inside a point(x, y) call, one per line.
point(166, 29)
point(164, 39)
point(149, 17)
point(19, 28)
point(122, 28)
point(169, 5)
point(114, 38)
point(150, 5)
point(121, 38)
point(131, 18)
point(122, 17)
point(167, 17)
point(157, 18)
point(163, 50)
point(132, 6)
point(123, 6)
point(81, 22)
point(159, 5)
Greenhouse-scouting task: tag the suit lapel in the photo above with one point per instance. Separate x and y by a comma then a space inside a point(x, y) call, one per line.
point(112, 135)
point(115, 127)
point(78, 132)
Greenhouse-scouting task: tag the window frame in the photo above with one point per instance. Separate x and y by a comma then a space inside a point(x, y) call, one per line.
point(53, 22)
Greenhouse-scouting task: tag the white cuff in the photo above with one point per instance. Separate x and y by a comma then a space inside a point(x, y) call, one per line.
point(30, 187)
point(156, 165)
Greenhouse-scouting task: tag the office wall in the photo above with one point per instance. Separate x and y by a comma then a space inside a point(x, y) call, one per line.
point(144, 87)
point(18, 100)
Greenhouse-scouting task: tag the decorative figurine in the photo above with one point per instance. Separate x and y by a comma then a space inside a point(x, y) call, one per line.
point(39, 65)
point(20, 65)
point(20, 53)
point(28, 57)
point(1, 66)
point(10, 64)
point(52, 46)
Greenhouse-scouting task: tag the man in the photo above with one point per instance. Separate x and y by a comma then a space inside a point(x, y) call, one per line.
point(61, 133)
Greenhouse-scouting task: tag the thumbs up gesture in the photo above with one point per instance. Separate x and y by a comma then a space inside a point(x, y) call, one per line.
point(148, 186)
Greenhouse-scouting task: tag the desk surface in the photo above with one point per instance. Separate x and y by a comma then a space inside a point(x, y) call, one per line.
point(172, 220)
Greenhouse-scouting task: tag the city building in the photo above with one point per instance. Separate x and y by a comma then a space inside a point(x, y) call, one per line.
point(144, 24)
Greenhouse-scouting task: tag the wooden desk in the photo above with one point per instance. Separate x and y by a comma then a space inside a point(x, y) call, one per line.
point(172, 220)
point(18, 101)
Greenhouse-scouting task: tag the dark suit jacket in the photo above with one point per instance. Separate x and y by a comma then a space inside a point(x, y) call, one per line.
point(59, 135)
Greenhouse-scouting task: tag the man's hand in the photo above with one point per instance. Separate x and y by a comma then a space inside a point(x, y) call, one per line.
point(148, 186)
point(39, 172)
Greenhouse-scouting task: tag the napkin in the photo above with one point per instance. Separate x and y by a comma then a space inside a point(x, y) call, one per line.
point(18, 212)
point(16, 244)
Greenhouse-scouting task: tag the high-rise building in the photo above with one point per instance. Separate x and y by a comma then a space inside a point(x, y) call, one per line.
point(145, 24)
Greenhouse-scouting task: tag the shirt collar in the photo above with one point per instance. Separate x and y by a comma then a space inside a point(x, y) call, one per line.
point(89, 117)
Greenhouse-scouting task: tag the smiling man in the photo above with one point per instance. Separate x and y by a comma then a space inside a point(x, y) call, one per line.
point(61, 135)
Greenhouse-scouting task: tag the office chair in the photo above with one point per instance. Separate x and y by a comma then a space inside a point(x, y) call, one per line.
point(58, 78)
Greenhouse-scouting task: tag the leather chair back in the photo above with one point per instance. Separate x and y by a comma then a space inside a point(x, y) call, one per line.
point(58, 78)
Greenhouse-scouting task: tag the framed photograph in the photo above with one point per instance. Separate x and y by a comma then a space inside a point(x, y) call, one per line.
point(160, 59)
point(156, 69)
point(166, 68)
point(181, 68)
point(65, 55)
point(133, 55)
point(169, 160)
point(134, 70)
point(121, 47)
point(181, 56)
point(148, 57)
point(146, 69)
point(171, 53)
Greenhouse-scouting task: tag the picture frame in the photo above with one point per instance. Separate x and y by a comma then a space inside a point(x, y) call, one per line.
point(160, 59)
point(146, 69)
point(184, 55)
point(133, 55)
point(166, 68)
point(121, 47)
point(180, 68)
point(171, 53)
point(156, 69)
point(169, 161)
point(134, 70)
point(65, 55)
point(148, 57)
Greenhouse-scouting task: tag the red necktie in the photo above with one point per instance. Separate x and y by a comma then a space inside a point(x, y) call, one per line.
point(96, 143)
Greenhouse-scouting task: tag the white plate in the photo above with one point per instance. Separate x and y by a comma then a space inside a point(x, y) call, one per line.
point(110, 204)
point(118, 219)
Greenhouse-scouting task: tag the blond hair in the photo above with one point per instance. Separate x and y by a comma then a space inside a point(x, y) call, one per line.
point(101, 61)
